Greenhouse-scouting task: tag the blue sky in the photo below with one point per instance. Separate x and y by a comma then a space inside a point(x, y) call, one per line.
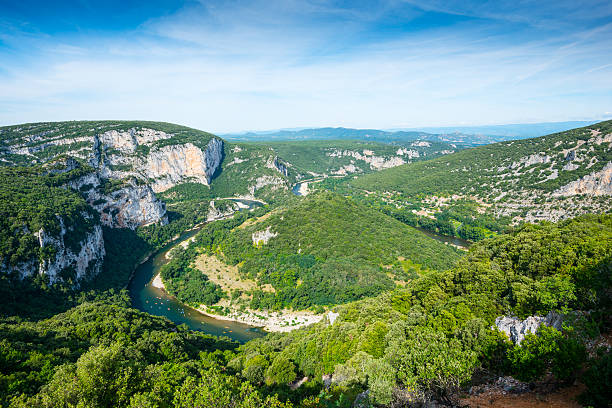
point(228, 66)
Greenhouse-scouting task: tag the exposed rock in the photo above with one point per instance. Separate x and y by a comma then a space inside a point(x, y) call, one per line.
point(263, 181)
point(125, 142)
point(263, 236)
point(84, 262)
point(421, 143)
point(362, 400)
point(539, 158)
point(410, 153)
point(173, 164)
point(375, 162)
point(570, 166)
point(128, 207)
point(597, 183)
point(347, 169)
point(132, 206)
point(331, 317)
point(277, 165)
point(517, 329)
point(215, 213)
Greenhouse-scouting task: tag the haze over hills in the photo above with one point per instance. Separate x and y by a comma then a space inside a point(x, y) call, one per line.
point(458, 135)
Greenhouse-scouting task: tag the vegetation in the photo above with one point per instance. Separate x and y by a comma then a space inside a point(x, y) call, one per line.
point(430, 336)
point(321, 157)
point(313, 256)
point(477, 171)
point(31, 202)
point(414, 317)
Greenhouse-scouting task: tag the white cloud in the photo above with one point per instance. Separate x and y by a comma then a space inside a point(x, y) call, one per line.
point(251, 68)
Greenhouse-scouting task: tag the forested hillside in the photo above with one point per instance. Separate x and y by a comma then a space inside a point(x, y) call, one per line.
point(546, 178)
point(428, 338)
point(322, 250)
point(312, 158)
point(407, 346)
point(401, 318)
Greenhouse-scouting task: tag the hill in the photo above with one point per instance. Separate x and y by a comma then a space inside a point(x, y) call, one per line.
point(458, 135)
point(321, 250)
point(313, 158)
point(550, 177)
point(425, 340)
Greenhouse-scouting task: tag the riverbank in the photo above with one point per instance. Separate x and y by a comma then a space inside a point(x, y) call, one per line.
point(157, 282)
point(276, 322)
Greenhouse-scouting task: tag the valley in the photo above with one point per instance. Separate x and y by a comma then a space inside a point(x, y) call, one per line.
point(333, 262)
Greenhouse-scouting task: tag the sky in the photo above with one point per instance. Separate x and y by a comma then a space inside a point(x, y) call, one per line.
point(229, 66)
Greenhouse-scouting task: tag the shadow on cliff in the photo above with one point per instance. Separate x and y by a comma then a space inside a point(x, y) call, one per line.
point(219, 169)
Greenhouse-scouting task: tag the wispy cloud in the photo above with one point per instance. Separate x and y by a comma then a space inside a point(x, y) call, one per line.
point(227, 66)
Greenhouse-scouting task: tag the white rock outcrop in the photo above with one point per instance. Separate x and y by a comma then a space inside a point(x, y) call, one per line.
point(597, 184)
point(517, 329)
point(131, 207)
point(263, 181)
point(171, 165)
point(85, 262)
point(263, 237)
point(276, 164)
point(215, 213)
point(375, 162)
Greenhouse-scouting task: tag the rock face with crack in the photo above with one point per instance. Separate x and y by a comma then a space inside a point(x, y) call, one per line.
point(69, 261)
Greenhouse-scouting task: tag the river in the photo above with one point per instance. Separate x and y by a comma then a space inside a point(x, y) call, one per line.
point(445, 239)
point(158, 302)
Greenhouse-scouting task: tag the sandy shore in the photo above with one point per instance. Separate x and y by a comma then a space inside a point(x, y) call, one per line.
point(157, 282)
point(283, 321)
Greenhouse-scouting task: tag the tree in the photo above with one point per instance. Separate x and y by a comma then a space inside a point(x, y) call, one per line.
point(281, 371)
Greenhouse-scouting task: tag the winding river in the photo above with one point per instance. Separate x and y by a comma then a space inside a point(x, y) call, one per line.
point(158, 302)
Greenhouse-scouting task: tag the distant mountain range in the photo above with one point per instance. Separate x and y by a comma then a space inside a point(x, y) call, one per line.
point(462, 135)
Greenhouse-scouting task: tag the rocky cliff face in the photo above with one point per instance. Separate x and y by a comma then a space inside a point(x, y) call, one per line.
point(130, 206)
point(174, 164)
point(127, 168)
point(66, 261)
point(375, 162)
point(597, 183)
point(145, 168)
point(276, 164)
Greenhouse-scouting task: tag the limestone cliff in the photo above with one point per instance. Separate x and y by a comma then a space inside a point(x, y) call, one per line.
point(67, 261)
point(517, 329)
point(130, 206)
point(597, 183)
point(174, 164)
